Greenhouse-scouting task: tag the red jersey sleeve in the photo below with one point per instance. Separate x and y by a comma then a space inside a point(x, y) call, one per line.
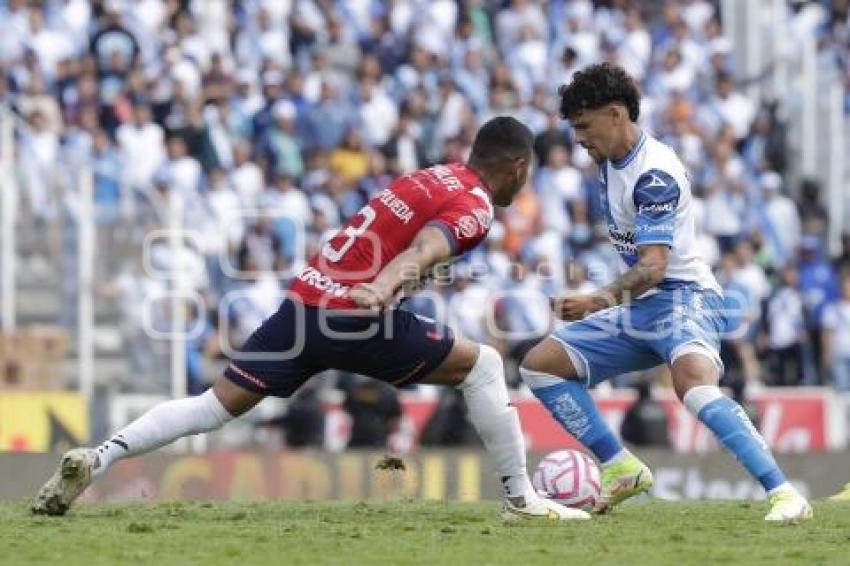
point(465, 220)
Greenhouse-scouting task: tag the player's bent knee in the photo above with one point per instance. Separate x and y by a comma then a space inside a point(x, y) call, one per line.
point(456, 367)
point(487, 369)
point(236, 400)
point(548, 357)
point(693, 369)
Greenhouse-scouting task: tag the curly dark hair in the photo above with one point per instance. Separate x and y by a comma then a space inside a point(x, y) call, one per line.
point(598, 85)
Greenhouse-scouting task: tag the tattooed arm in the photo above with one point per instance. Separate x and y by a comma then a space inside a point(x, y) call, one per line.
point(648, 272)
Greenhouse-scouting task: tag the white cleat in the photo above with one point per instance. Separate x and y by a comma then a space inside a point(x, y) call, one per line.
point(517, 508)
point(788, 507)
point(67, 483)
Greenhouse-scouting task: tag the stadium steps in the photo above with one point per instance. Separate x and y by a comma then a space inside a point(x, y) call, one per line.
point(39, 301)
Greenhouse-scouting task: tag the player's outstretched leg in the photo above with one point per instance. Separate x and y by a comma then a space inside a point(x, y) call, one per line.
point(162, 425)
point(730, 424)
point(479, 373)
point(550, 374)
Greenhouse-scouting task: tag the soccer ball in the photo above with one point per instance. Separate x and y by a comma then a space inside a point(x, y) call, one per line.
point(569, 477)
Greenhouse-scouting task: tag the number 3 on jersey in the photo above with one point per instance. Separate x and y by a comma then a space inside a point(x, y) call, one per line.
point(352, 233)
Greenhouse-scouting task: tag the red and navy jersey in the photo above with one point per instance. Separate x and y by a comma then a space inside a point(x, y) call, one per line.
point(452, 198)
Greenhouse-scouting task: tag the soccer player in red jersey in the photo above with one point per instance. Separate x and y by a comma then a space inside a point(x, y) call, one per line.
point(338, 314)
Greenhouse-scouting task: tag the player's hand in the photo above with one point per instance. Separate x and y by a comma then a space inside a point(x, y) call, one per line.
point(368, 296)
point(574, 307)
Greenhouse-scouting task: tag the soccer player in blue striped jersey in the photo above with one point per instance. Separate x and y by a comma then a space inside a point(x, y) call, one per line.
point(665, 308)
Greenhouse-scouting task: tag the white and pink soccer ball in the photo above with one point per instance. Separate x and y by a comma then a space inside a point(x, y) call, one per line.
point(569, 477)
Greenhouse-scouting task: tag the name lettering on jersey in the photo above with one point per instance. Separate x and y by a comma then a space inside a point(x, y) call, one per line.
point(485, 199)
point(484, 218)
point(398, 207)
point(657, 228)
point(622, 239)
point(655, 207)
point(466, 227)
point(414, 180)
point(446, 177)
point(623, 243)
point(315, 278)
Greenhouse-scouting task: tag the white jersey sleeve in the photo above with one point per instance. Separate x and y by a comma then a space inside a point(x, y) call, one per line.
point(647, 200)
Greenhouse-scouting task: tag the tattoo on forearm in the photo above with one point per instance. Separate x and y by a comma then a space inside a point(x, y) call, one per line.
point(637, 280)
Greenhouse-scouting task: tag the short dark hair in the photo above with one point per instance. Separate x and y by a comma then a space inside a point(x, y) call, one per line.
point(598, 85)
point(500, 139)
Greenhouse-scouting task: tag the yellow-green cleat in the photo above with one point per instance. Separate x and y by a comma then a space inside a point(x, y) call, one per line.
point(621, 480)
point(788, 507)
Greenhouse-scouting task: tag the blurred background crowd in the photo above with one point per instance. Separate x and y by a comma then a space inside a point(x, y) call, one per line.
point(260, 126)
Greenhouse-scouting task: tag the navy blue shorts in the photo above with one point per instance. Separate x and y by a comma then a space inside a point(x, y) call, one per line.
point(299, 341)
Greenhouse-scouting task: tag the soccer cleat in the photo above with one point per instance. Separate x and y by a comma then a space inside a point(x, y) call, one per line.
point(517, 508)
point(843, 495)
point(788, 507)
point(67, 483)
point(622, 480)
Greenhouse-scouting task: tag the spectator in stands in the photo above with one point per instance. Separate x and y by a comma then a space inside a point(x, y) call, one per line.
point(279, 142)
point(842, 262)
point(737, 349)
point(107, 169)
point(779, 220)
point(39, 151)
point(786, 330)
point(733, 108)
point(836, 339)
point(246, 177)
point(322, 105)
point(182, 171)
point(142, 143)
point(350, 161)
point(820, 286)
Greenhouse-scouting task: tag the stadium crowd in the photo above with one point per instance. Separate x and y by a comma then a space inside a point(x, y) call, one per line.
point(272, 122)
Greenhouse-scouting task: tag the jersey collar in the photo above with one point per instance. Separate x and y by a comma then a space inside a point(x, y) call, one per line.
point(481, 182)
point(631, 154)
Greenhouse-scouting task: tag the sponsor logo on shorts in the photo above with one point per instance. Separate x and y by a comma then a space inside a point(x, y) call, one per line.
point(245, 375)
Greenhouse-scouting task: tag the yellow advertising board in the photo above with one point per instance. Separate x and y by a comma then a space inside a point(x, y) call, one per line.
point(42, 422)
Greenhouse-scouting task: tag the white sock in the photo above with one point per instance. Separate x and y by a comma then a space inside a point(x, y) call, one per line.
point(781, 487)
point(497, 421)
point(162, 425)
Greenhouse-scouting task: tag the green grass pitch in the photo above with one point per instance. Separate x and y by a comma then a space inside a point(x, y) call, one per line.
point(407, 532)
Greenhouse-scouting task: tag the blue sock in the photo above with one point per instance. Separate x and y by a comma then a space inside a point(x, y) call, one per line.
point(730, 424)
point(574, 408)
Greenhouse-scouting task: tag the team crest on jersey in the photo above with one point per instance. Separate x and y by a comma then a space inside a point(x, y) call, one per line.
point(655, 181)
point(483, 217)
point(467, 226)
